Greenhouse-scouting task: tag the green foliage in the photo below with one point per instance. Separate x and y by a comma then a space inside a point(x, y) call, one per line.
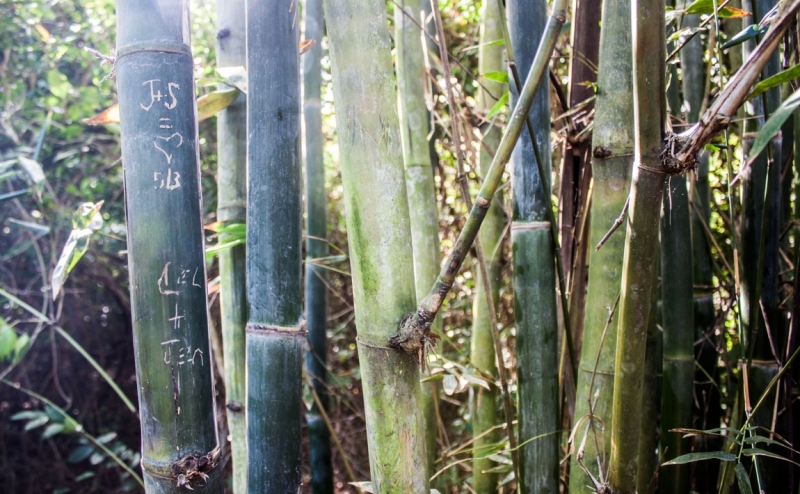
point(773, 125)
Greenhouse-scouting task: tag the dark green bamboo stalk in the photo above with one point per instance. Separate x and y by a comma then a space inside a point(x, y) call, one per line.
point(231, 206)
point(165, 248)
point(651, 395)
point(707, 413)
point(414, 331)
point(641, 241)
point(534, 269)
point(414, 130)
point(612, 140)
point(760, 233)
point(379, 236)
point(482, 351)
point(317, 229)
point(275, 328)
point(678, 323)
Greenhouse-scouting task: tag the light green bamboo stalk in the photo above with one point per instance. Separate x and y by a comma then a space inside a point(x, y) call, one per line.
point(275, 332)
point(316, 226)
point(231, 206)
point(165, 248)
point(424, 216)
point(612, 138)
point(534, 269)
point(482, 351)
point(379, 236)
point(641, 242)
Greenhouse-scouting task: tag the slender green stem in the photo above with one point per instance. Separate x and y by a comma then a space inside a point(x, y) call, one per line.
point(613, 142)
point(316, 249)
point(232, 206)
point(641, 242)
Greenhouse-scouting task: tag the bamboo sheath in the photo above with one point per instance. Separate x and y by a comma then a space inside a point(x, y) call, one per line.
point(424, 216)
point(316, 227)
point(534, 268)
point(275, 330)
point(231, 206)
point(165, 247)
point(641, 242)
point(380, 241)
point(612, 160)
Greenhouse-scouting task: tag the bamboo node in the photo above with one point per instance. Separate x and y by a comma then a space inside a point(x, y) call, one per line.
point(673, 160)
point(192, 467)
point(414, 335)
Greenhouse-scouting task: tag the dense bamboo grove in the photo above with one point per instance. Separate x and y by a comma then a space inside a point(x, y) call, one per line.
point(523, 246)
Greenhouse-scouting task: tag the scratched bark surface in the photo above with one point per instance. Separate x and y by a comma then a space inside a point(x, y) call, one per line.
point(379, 236)
point(165, 240)
point(534, 268)
point(274, 237)
point(424, 215)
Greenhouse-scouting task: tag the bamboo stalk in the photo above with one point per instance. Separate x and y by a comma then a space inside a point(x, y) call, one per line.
point(677, 290)
point(534, 268)
point(316, 226)
point(482, 348)
point(424, 216)
point(651, 395)
point(231, 206)
point(641, 242)
point(275, 329)
point(760, 244)
point(613, 141)
point(165, 248)
point(379, 234)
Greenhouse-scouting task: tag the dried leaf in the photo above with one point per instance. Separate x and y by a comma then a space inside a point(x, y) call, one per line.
point(108, 116)
point(210, 104)
point(306, 45)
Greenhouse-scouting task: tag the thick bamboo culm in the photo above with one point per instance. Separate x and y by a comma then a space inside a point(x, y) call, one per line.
point(316, 247)
point(678, 329)
point(424, 215)
point(641, 241)
point(534, 268)
point(275, 329)
point(380, 241)
point(482, 351)
point(612, 136)
point(231, 207)
point(165, 248)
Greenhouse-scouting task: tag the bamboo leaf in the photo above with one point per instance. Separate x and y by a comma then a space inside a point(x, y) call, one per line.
point(773, 125)
point(13, 195)
point(33, 168)
point(707, 7)
point(496, 76)
point(37, 422)
point(108, 116)
point(743, 479)
point(763, 452)
point(21, 347)
point(51, 430)
point(210, 104)
point(501, 103)
point(749, 32)
point(774, 81)
point(34, 227)
point(707, 455)
point(450, 384)
point(80, 453)
point(306, 45)
point(70, 256)
point(8, 340)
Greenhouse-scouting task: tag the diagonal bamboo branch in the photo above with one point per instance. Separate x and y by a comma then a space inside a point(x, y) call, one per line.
point(414, 335)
